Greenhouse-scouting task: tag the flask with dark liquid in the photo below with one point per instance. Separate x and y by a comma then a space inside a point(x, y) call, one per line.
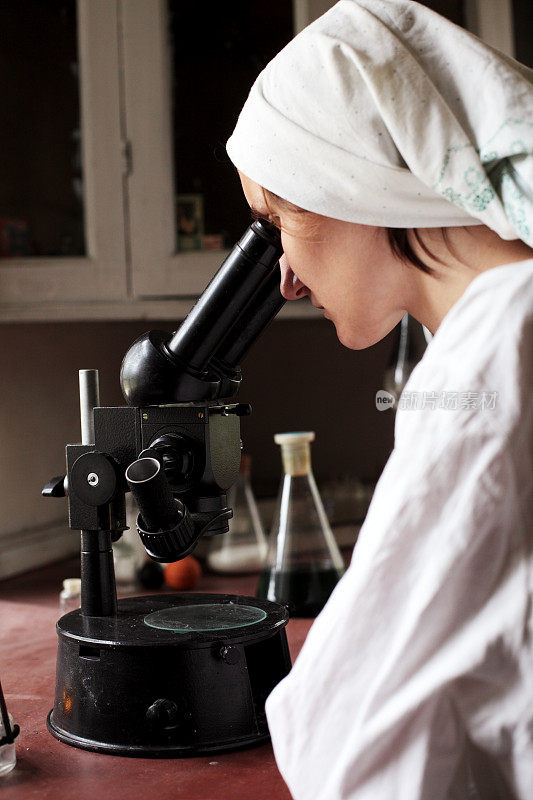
point(303, 562)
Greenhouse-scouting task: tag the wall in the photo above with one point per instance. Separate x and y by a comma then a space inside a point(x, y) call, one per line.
point(297, 377)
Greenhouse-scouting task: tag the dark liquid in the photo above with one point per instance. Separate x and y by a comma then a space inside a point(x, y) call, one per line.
point(304, 589)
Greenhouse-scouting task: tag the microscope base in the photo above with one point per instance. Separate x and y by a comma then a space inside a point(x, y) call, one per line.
point(194, 684)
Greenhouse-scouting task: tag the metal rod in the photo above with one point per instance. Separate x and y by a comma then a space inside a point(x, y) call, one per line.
point(98, 589)
point(403, 355)
point(89, 398)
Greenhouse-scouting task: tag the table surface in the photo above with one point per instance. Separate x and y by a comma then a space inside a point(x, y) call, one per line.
point(46, 768)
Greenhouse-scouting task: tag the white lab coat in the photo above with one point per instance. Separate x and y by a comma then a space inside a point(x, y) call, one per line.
point(418, 674)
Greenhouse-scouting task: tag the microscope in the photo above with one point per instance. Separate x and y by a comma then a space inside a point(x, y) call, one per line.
point(170, 675)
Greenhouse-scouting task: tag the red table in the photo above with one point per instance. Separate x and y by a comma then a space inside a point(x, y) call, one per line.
point(47, 768)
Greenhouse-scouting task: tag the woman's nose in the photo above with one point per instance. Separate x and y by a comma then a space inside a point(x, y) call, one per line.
point(291, 287)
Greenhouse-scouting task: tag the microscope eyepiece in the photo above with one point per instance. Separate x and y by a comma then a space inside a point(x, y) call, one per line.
point(261, 243)
point(223, 301)
point(163, 368)
point(267, 230)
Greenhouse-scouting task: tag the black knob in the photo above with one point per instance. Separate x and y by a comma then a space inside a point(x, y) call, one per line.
point(163, 714)
point(240, 410)
point(169, 545)
point(55, 487)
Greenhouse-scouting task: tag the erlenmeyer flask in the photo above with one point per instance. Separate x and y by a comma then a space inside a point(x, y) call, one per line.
point(243, 548)
point(303, 561)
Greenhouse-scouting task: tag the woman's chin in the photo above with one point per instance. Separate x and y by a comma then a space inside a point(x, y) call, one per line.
point(360, 336)
point(357, 340)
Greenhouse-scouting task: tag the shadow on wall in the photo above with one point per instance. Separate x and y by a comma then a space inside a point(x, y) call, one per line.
point(297, 376)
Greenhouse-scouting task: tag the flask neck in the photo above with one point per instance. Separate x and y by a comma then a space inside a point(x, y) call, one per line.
point(296, 459)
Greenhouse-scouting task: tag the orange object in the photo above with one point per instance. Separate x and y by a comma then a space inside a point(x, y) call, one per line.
point(183, 574)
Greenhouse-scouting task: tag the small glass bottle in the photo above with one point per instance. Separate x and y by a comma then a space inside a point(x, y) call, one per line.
point(70, 596)
point(303, 562)
point(125, 563)
point(8, 755)
point(243, 548)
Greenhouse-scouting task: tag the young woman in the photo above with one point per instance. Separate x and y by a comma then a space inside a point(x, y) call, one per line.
point(395, 152)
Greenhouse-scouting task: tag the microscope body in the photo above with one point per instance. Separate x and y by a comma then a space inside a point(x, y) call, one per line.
point(181, 674)
point(198, 445)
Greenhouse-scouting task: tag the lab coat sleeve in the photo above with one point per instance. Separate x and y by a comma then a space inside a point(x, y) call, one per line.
point(431, 608)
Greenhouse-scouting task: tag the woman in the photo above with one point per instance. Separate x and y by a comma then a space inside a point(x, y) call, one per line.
point(395, 150)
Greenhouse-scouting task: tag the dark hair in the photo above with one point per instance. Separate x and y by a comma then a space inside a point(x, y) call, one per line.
point(402, 247)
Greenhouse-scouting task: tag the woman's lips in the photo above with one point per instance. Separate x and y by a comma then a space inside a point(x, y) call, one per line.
point(320, 308)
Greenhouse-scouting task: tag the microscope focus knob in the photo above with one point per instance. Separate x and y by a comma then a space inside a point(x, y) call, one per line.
point(93, 478)
point(171, 544)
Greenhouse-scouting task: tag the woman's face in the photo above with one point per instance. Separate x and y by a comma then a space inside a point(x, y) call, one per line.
point(345, 268)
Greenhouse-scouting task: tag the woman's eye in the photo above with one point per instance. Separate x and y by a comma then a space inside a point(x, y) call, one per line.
point(272, 218)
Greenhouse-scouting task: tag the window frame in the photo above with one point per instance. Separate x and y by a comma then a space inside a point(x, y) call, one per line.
point(102, 273)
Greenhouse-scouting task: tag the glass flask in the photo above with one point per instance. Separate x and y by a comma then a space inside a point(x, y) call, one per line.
point(125, 563)
point(412, 342)
point(303, 562)
point(243, 549)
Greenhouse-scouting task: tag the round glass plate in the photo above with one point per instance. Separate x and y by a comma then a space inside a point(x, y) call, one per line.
point(204, 617)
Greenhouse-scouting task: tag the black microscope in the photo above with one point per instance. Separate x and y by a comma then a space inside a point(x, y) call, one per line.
point(170, 674)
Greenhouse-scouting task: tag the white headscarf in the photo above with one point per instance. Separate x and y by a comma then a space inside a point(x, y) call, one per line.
point(384, 113)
